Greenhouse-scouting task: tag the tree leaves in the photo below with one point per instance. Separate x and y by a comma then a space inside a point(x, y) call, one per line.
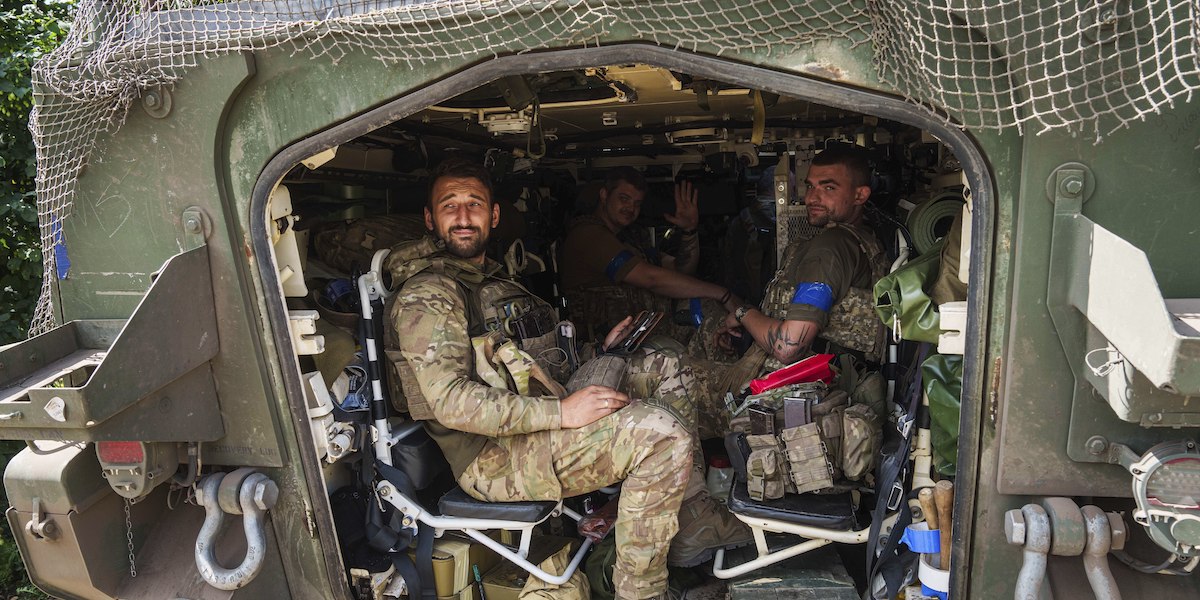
point(28, 30)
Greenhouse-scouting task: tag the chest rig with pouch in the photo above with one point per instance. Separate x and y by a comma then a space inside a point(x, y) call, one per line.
point(514, 334)
point(830, 443)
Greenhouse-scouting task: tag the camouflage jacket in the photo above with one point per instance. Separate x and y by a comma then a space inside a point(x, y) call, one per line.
point(429, 316)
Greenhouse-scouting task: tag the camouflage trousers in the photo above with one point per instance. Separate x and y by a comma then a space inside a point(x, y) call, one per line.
point(687, 386)
point(712, 417)
point(648, 445)
point(703, 344)
point(597, 310)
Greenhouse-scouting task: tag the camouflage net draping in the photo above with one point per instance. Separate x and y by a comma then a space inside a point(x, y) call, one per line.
point(1053, 64)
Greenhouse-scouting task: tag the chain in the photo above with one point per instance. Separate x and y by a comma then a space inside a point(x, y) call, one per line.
point(129, 539)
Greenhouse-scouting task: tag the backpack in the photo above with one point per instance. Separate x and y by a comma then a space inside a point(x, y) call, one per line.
point(349, 245)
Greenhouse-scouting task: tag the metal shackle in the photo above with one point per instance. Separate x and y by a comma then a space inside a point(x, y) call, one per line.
point(256, 494)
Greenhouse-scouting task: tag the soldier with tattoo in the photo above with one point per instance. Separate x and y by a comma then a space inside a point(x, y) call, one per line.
point(821, 298)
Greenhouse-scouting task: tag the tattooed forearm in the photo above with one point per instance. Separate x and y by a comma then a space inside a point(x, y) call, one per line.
point(783, 345)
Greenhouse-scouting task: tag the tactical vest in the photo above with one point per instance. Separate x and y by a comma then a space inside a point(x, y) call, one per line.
point(508, 326)
point(853, 323)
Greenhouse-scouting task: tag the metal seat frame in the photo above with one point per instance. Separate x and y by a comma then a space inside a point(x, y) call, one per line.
point(371, 288)
point(817, 537)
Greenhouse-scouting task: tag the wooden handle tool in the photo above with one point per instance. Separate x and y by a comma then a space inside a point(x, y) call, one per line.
point(925, 497)
point(943, 496)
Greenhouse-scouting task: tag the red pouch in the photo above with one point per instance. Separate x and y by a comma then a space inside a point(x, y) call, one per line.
point(813, 368)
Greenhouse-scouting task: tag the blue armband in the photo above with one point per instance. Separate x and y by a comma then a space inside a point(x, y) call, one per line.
point(616, 263)
point(815, 294)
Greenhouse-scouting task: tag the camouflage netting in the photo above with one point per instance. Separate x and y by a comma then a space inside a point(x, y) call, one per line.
point(986, 64)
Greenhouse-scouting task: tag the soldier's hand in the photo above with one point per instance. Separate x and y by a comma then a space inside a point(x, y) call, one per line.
point(687, 212)
point(724, 336)
point(617, 332)
point(730, 323)
point(590, 404)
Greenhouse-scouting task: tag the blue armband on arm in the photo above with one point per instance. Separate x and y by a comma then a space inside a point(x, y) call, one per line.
point(614, 265)
point(815, 294)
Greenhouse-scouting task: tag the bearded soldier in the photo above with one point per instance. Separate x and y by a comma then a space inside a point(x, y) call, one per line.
point(821, 298)
point(508, 429)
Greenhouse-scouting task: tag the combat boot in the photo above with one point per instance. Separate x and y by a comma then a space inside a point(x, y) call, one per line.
point(704, 526)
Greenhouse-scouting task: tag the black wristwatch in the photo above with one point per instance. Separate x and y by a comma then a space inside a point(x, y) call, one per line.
point(740, 312)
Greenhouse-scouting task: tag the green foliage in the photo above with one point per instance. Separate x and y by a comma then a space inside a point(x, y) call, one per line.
point(27, 31)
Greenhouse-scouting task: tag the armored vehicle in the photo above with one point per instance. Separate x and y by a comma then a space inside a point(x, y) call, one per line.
point(193, 356)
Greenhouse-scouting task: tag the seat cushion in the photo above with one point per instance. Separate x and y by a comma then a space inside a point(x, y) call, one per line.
point(828, 511)
point(456, 503)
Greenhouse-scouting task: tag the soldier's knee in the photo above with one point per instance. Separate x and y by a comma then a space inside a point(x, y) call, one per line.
point(658, 357)
point(659, 425)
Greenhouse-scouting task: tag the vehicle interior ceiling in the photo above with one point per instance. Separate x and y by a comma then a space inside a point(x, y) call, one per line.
point(550, 138)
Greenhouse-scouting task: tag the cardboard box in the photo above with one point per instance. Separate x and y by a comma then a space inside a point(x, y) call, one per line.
point(452, 561)
point(506, 580)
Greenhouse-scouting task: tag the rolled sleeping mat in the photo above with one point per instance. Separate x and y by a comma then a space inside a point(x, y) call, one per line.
point(931, 220)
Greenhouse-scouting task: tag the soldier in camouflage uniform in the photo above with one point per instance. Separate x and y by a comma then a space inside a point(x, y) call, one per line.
point(822, 294)
point(538, 445)
point(606, 276)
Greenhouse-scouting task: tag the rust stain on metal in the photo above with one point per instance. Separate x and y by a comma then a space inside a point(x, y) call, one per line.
point(824, 70)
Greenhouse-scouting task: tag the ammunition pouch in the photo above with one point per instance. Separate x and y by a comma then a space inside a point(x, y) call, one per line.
point(840, 442)
point(766, 476)
point(807, 458)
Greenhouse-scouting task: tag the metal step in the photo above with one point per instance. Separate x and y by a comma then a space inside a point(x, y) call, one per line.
point(147, 378)
point(1123, 340)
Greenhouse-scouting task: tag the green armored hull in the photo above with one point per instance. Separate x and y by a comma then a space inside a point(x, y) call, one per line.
point(192, 155)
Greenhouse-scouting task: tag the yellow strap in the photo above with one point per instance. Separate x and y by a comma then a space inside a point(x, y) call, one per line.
point(760, 119)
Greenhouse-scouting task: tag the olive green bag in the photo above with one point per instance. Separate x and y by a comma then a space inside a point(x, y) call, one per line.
point(902, 302)
point(942, 375)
